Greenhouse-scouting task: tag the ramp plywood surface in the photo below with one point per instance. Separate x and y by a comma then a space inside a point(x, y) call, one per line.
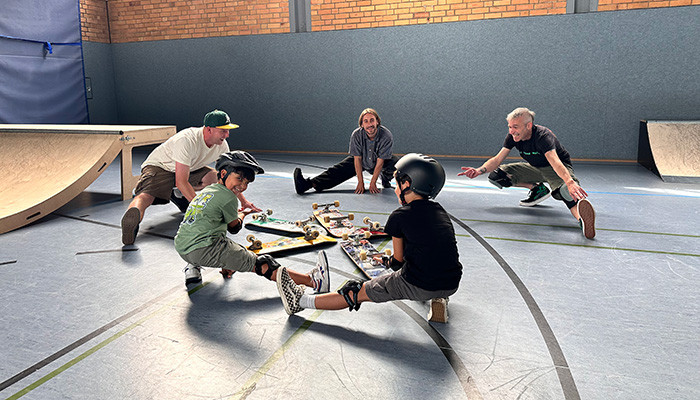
point(44, 167)
point(674, 148)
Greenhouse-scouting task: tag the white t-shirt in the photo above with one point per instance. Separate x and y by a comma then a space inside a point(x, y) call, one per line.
point(186, 147)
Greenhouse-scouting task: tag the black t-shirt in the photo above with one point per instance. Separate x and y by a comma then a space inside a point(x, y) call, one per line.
point(430, 247)
point(533, 149)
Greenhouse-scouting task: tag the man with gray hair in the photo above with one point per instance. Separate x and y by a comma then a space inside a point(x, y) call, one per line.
point(546, 161)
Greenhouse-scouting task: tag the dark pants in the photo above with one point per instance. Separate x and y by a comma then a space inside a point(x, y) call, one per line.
point(345, 170)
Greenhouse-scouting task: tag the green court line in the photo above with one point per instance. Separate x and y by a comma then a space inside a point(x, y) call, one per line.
point(98, 346)
point(549, 225)
point(587, 246)
point(250, 385)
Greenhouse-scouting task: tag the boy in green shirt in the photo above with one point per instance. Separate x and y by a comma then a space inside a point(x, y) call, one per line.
point(201, 239)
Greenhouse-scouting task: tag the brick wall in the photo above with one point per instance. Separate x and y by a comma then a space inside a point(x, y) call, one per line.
point(612, 5)
point(93, 21)
point(350, 14)
point(142, 20)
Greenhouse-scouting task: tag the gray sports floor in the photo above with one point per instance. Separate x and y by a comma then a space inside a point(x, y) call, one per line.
point(541, 313)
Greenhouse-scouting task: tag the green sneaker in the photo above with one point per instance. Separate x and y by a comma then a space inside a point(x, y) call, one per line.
point(538, 194)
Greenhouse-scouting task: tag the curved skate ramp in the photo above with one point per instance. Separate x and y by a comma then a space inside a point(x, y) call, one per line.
point(671, 149)
point(46, 166)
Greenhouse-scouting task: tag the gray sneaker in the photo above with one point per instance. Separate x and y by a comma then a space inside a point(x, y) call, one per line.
point(538, 194)
point(290, 292)
point(193, 275)
point(320, 274)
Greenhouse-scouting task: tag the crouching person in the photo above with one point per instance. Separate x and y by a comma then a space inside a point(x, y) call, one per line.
point(201, 238)
point(425, 261)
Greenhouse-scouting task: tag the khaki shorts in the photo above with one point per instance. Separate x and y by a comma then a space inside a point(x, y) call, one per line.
point(159, 183)
point(393, 286)
point(224, 253)
point(523, 172)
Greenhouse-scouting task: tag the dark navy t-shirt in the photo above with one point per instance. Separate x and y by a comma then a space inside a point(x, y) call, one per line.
point(430, 248)
point(533, 149)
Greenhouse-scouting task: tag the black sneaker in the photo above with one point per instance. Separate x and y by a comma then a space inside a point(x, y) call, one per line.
point(386, 183)
point(130, 225)
point(301, 184)
point(179, 200)
point(538, 194)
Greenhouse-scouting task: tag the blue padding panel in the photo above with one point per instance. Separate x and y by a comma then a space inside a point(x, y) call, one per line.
point(41, 63)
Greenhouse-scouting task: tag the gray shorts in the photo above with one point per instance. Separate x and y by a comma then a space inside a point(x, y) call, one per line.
point(159, 183)
point(224, 253)
point(393, 286)
point(523, 172)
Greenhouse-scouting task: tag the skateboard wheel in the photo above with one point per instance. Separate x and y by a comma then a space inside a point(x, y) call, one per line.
point(250, 238)
point(257, 243)
point(336, 203)
point(298, 223)
point(306, 228)
point(314, 206)
point(351, 216)
point(387, 252)
point(363, 255)
point(367, 234)
point(315, 234)
point(376, 225)
point(326, 219)
point(255, 217)
point(269, 211)
point(345, 236)
point(366, 220)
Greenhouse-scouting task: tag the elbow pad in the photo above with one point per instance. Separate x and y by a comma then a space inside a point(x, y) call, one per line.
point(234, 230)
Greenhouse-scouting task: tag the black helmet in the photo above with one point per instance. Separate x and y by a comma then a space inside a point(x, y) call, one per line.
point(238, 159)
point(426, 175)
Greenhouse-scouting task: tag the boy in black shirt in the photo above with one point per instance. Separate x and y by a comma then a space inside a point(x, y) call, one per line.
point(547, 160)
point(425, 261)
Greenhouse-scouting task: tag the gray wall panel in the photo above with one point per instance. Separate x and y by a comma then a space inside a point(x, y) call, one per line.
point(99, 68)
point(442, 89)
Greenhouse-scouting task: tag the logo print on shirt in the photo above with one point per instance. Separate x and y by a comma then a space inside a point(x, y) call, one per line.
point(196, 206)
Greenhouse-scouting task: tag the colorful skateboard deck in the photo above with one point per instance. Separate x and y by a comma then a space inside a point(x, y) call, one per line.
point(367, 258)
point(263, 222)
point(337, 224)
point(286, 243)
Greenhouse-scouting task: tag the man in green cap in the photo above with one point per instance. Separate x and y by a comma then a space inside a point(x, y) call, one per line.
point(181, 162)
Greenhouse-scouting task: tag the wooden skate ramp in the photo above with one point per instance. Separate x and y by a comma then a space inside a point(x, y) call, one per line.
point(46, 166)
point(670, 149)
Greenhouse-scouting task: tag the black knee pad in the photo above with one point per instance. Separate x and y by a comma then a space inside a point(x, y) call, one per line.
point(562, 194)
point(272, 266)
point(500, 179)
point(354, 288)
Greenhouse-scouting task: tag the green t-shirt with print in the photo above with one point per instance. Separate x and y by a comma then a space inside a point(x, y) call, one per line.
point(206, 218)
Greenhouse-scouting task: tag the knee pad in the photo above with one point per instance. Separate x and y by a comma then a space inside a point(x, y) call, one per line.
point(500, 179)
point(349, 292)
point(562, 193)
point(272, 266)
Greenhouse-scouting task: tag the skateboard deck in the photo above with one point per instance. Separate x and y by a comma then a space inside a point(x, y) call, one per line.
point(263, 222)
point(337, 224)
point(286, 243)
point(367, 258)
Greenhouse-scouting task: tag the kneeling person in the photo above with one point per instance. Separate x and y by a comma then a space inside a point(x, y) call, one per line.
point(201, 238)
point(425, 261)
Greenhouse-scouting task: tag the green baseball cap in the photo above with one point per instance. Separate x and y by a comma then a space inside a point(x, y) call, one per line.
point(218, 119)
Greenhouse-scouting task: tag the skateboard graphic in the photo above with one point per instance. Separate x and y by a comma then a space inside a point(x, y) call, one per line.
point(257, 246)
point(338, 224)
point(263, 222)
point(363, 253)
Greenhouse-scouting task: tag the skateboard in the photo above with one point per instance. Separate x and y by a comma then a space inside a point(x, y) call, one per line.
point(257, 246)
point(263, 222)
point(363, 253)
point(338, 224)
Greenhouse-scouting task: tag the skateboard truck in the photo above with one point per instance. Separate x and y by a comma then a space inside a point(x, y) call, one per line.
point(326, 206)
point(303, 222)
point(309, 233)
point(328, 218)
point(255, 244)
point(355, 237)
point(375, 225)
point(363, 254)
point(262, 216)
